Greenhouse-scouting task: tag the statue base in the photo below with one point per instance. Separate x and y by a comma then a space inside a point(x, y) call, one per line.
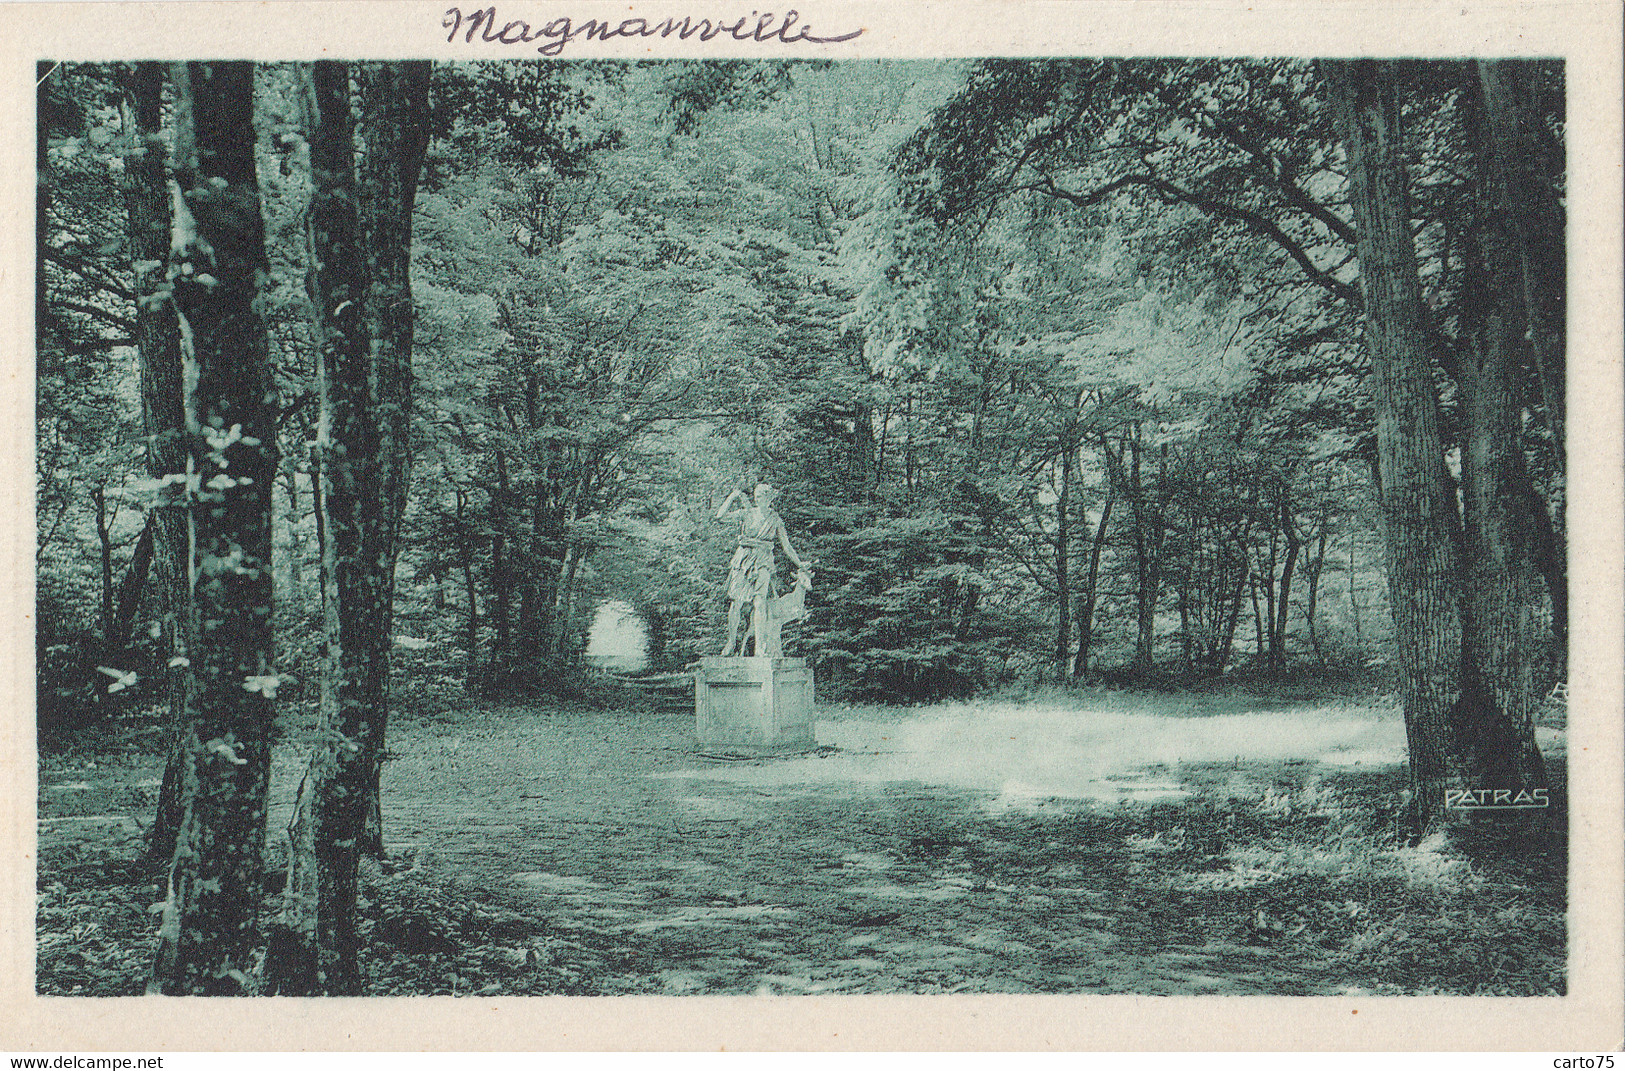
point(754, 705)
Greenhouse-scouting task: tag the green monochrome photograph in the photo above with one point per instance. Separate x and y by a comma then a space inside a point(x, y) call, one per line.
point(518, 525)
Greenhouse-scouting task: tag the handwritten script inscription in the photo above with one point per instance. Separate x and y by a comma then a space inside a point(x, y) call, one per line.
point(559, 32)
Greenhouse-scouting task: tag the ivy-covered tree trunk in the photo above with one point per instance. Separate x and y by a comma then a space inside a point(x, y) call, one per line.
point(209, 928)
point(364, 424)
point(158, 348)
point(319, 905)
point(1418, 512)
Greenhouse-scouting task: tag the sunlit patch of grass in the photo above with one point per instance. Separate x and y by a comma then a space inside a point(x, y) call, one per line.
point(1323, 833)
point(1161, 842)
point(1431, 865)
point(1325, 869)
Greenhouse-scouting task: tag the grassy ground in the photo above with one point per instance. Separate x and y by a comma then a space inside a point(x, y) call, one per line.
point(1084, 843)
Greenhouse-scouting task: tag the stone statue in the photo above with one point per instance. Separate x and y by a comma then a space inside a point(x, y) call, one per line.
point(781, 610)
point(750, 573)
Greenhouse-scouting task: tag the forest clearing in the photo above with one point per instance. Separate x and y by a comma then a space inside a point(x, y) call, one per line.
point(1070, 525)
point(1107, 843)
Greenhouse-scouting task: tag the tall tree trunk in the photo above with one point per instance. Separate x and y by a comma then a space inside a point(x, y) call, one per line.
point(548, 550)
point(1502, 628)
point(1317, 563)
point(1063, 586)
point(1354, 603)
point(209, 927)
point(394, 127)
point(159, 353)
point(295, 543)
point(1260, 649)
point(1266, 581)
point(1187, 650)
point(1524, 164)
point(1528, 163)
point(1227, 645)
point(104, 540)
point(318, 513)
point(501, 582)
point(1283, 604)
point(1147, 559)
point(908, 441)
point(1086, 612)
point(563, 645)
point(127, 600)
point(332, 800)
point(1418, 512)
point(466, 542)
point(321, 954)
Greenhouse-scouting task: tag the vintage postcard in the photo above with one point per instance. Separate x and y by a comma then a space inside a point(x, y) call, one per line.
point(1031, 525)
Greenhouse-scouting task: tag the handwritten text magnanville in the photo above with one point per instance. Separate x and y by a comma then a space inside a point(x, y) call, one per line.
point(556, 33)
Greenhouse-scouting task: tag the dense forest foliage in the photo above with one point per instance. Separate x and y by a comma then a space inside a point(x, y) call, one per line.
point(1134, 371)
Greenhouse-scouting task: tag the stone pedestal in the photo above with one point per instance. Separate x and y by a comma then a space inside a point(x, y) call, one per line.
point(754, 704)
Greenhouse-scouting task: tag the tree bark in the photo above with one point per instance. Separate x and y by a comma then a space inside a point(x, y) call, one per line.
point(466, 542)
point(1317, 563)
point(209, 929)
point(1283, 603)
point(1086, 612)
point(394, 127)
point(333, 797)
point(1502, 618)
point(1522, 166)
point(295, 542)
point(1418, 512)
point(1063, 630)
point(104, 540)
point(318, 513)
point(1526, 164)
point(359, 415)
point(1147, 536)
point(127, 600)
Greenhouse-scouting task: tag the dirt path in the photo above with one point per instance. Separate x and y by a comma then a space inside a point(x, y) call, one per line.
point(981, 850)
point(1135, 845)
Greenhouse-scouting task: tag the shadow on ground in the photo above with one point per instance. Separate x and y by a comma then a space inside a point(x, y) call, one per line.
point(983, 847)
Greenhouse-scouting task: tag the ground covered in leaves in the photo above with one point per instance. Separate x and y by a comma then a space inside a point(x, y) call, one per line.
point(1092, 842)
